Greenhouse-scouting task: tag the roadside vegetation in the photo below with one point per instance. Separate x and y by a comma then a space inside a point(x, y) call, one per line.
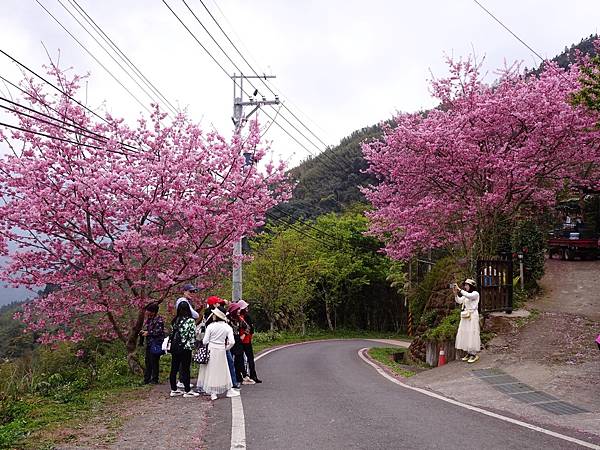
point(388, 356)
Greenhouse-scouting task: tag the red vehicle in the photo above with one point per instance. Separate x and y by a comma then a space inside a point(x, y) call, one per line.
point(573, 240)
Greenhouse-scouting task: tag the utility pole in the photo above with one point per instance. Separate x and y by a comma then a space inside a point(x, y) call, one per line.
point(239, 120)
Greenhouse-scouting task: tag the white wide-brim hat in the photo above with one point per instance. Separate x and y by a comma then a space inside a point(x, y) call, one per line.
point(220, 314)
point(471, 282)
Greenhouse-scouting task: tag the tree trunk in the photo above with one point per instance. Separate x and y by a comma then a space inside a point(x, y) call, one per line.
point(328, 315)
point(271, 324)
point(131, 344)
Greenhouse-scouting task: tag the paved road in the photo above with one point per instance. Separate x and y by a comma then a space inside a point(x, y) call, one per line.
point(323, 396)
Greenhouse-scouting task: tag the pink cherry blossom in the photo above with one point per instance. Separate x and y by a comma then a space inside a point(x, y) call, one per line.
point(487, 156)
point(124, 220)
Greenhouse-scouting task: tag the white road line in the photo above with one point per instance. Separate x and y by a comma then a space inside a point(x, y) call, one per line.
point(474, 408)
point(238, 424)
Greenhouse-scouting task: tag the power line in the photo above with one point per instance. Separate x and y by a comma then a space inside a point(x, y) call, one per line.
point(238, 84)
point(39, 133)
point(299, 230)
point(252, 57)
point(509, 30)
point(121, 54)
point(322, 154)
point(52, 85)
point(94, 58)
point(75, 124)
point(255, 73)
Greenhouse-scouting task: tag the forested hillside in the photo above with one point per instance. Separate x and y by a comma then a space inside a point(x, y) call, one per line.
point(332, 180)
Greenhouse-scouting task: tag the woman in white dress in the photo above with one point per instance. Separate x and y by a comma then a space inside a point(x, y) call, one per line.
point(468, 338)
point(215, 378)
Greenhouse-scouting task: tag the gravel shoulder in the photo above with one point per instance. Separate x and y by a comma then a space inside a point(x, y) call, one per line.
point(150, 420)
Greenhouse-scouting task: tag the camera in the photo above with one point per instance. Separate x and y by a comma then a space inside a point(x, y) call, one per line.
point(451, 285)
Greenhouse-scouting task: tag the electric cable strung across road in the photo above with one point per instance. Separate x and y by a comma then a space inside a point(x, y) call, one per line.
point(123, 56)
point(265, 82)
point(249, 81)
point(509, 30)
point(227, 73)
point(270, 81)
point(149, 95)
point(239, 85)
point(94, 58)
point(320, 155)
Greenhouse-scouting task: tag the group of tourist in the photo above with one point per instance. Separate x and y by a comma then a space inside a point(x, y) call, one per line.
point(219, 340)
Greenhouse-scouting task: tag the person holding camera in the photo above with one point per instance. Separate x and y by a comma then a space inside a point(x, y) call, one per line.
point(468, 337)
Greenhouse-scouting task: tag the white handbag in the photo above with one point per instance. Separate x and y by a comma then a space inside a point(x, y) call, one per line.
point(166, 344)
point(464, 314)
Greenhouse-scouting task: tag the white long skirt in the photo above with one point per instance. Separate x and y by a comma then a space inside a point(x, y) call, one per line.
point(214, 377)
point(468, 338)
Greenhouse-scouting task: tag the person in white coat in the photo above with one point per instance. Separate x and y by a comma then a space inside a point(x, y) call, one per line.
point(468, 337)
point(215, 379)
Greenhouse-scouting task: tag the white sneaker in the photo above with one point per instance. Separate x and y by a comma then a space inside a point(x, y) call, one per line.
point(213, 396)
point(176, 393)
point(248, 380)
point(232, 393)
point(191, 394)
point(473, 359)
point(180, 385)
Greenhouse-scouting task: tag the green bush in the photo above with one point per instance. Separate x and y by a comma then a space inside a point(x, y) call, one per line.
point(444, 271)
point(267, 336)
point(446, 330)
point(530, 239)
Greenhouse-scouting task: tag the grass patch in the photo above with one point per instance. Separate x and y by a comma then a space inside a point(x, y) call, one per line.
point(37, 421)
point(385, 355)
point(264, 340)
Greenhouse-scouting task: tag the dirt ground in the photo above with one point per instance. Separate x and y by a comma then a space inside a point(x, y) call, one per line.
point(152, 420)
point(571, 287)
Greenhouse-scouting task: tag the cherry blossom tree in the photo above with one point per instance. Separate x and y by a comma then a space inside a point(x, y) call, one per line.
point(462, 174)
point(118, 216)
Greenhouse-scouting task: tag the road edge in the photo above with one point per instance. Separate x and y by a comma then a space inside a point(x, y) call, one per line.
point(393, 379)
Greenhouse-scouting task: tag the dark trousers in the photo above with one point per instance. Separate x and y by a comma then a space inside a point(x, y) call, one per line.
point(152, 366)
point(240, 368)
point(231, 364)
point(181, 362)
point(249, 352)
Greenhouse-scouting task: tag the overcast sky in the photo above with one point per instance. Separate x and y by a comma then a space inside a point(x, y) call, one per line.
point(342, 64)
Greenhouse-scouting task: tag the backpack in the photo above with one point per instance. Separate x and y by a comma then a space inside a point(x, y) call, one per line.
point(176, 340)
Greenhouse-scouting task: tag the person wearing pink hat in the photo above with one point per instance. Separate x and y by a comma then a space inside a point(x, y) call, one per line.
point(238, 349)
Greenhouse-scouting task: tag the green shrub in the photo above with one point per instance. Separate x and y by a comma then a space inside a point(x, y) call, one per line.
point(444, 271)
point(446, 330)
point(267, 336)
point(530, 239)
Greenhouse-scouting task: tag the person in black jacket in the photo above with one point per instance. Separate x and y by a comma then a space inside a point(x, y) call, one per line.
point(237, 351)
point(154, 333)
point(246, 333)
